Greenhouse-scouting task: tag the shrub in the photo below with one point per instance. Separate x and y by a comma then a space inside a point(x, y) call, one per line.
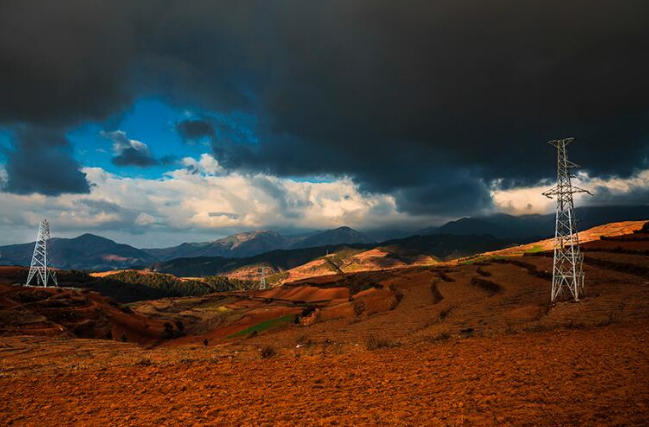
point(510, 329)
point(634, 269)
point(538, 328)
point(444, 313)
point(307, 310)
point(398, 297)
point(359, 307)
point(484, 273)
point(168, 331)
point(437, 295)
point(491, 287)
point(267, 352)
point(444, 336)
point(466, 333)
point(445, 277)
point(531, 268)
point(374, 343)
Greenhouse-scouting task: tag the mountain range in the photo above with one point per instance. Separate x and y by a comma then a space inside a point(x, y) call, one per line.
point(256, 242)
point(90, 252)
point(438, 246)
point(527, 228)
point(86, 252)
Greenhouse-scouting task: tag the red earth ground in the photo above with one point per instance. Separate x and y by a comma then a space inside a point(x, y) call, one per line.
point(475, 343)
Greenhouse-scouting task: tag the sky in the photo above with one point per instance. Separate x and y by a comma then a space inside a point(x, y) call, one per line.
point(159, 121)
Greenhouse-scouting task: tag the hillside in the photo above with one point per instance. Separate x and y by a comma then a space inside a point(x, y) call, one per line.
point(414, 250)
point(235, 246)
point(86, 252)
point(339, 236)
point(277, 260)
point(527, 228)
point(481, 331)
point(69, 313)
point(609, 232)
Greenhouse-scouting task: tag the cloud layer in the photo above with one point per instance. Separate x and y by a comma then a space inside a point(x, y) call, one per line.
point(42, 163)
point(430, 102)
point(201, 202)
point(198, 199)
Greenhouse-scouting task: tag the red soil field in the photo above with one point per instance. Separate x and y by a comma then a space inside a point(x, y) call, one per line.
point(473, 343)
point(562, 378)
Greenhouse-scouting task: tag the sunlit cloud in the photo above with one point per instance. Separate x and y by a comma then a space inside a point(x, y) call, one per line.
point(530, 200)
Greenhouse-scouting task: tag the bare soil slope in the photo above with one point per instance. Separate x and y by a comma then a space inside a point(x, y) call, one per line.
point(69, 312)
point(476, 343)
point(565, 378)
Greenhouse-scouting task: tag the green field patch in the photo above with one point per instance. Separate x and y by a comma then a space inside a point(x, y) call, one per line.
point(534, 249)
point(264, 326)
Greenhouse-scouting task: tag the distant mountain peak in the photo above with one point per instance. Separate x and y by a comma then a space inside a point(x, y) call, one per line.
point(251, 243)
point(92, 237)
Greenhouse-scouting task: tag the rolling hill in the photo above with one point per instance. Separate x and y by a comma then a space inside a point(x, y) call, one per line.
point(528, 228)
point(374, 336)
point(86, 252)
point(91, 252)
point(412, 250)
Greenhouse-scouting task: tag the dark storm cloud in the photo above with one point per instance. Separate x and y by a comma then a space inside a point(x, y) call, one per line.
point(42, 163)
point(129, 152)
point(391, 93)
point(64, 61)
point(132, 157)
point(192, 130)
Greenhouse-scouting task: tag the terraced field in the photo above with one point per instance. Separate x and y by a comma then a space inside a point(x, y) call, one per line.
point(473, 343)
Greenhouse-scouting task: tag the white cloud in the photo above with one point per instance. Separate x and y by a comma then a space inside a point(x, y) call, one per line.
point(129, 152)
point(200, 197)
point(207, 165)
point(121, 143)
point(144, 219)
point(529, 200)
point(202, 202)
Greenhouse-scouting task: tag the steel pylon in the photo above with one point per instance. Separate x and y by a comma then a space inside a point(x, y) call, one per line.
point(39, 268)
point(262, 278)
point(567, 271)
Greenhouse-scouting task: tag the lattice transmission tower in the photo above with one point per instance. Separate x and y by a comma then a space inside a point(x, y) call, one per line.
point(39, 268)
point(262, 278)
point(567, 271)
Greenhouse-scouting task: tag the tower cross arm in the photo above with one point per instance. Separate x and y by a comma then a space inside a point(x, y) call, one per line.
point(580, 190)
point(556, 190)
point(552, 192)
